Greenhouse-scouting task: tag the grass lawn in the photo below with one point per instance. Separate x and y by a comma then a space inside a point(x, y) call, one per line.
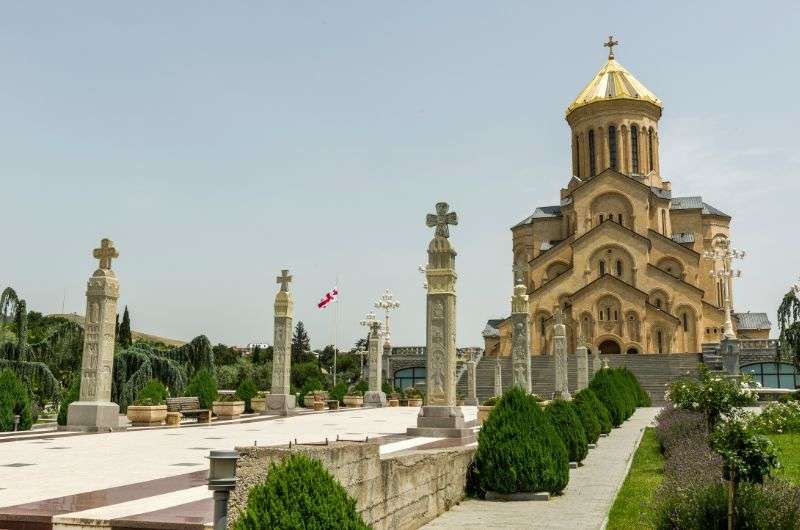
point(789, 455)
point(633, 503)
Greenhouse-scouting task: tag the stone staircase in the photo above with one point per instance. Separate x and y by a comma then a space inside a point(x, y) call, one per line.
point(654, 372)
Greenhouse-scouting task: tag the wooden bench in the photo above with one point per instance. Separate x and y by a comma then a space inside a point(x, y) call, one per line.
point(189, 406)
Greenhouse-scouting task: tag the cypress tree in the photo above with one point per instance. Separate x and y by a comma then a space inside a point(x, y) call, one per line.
point(569, 428)
point(301, 343)
point(125, 338)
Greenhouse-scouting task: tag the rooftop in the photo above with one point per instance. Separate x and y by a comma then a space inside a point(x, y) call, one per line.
point(613, 81)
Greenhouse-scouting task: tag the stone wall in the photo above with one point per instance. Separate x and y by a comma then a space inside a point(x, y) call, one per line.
point(400, 492)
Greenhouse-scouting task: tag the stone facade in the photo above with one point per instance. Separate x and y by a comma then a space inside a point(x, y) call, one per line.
point(94, 410)
point(280, 398)
point(400, 492)
point(620, 255)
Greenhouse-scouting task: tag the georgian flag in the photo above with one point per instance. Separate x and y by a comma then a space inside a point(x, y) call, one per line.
point(329, 297)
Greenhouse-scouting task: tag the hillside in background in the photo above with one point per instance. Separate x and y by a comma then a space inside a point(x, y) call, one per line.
point(79, 319)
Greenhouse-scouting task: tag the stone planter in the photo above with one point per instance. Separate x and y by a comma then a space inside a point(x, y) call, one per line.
point(394, 402)
point(319, 405)
point(173, 418)
point(414, 402)
point(308, 400)
point(460, 403)
point(483, 413)
point(145, 415)
point(403, 402)
point(333, 404)
point(258, 404)
point(227, 409)
point(353, 401)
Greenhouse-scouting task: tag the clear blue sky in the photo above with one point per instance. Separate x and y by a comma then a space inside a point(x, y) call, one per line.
point(218, 142)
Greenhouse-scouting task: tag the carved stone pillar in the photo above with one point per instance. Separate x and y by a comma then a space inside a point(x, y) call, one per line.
point(582, 365)
point(498, 377)
point(521, 339)
point(472, 384)
point(374, 397)
point(560, 360)
point(280, 399)
point(94, 411)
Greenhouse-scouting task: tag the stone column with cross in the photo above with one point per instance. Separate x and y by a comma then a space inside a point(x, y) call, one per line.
point(280, 399)
point(560, 358)
point(94, 411)
point(582, 365)
point(521, 339)
point(374, 397)
point(498, 377)
point(472, 384)
point(440, 417)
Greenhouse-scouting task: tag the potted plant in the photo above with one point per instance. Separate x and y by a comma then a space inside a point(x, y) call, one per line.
point(414, 397)
point(228, 406)
point(259, 403)
point(319, 405)
point(150, 407)
point(486, 408)
point(354, 398)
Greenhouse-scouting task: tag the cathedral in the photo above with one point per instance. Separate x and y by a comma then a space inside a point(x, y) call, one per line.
point(625, 259)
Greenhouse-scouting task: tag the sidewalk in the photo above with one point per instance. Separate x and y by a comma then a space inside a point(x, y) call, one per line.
point(585, 502)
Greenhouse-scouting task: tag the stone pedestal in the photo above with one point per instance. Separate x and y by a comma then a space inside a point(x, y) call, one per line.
point(582, 366)
point(560, 354)
point(472, 385)
point(440, 416)
point(521, 339)
point(94, 411)
point(730, 350)
point(498, 377)
point(281, 400)
point(375, 398)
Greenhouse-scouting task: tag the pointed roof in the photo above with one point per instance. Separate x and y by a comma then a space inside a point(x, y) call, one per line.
point(613, 81)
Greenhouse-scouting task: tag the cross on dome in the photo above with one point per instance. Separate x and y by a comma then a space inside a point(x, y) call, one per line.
point(284, 279)
point(105, 253)
point(610, 45)
point(441, 219)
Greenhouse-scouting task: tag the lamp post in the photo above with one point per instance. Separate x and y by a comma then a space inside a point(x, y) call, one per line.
point(723, 253)
point(423, 270)
point(361, 351)
point(388, 303)
point(221, 480)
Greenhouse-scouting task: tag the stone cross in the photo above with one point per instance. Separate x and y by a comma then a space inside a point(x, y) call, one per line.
point(472, 383)
point(374, 397)
point(105, 254)
point(281, 399)
point(582, 362)
point(441, 219)
point(284, 279)
point(610, 45)
point(560, 360)
point(94, 410)
point(498, 377)
point(521, 339)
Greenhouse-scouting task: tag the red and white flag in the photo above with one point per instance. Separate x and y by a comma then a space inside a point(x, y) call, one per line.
point(329, 297)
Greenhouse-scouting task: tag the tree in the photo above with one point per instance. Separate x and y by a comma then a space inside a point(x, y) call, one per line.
point(326, 356)
point(224, 355)
point(789, 325)
point(256, 355)
point(125, 338)
point(301, 343)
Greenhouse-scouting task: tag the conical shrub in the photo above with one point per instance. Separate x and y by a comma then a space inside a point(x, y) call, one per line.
point(299, 494)
point(519, 450)
point(569, 428)
point(606, 386)
point(642, 396)
point(587, 396)
point(626, 390)
point(589, 420)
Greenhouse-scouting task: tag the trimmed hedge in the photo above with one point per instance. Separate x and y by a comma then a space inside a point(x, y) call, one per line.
point(588, 396)
point(299, 494)
point(586, 413)
point(246, 391)
point(641, 395)
point(607, 388)
point(569, 428)
point(519, 450)
point(14, 399)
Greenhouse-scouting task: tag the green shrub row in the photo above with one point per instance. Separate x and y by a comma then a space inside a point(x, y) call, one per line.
point(14, 400)
point(620, 392)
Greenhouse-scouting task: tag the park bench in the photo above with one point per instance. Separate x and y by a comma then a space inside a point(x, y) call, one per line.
point(189, 406)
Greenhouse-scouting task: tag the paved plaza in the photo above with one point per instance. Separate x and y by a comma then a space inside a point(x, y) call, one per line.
point(63, 480)
point(585, 502)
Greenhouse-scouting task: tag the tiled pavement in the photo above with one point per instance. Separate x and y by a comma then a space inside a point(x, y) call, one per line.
point(586, 501)
point(156, 478)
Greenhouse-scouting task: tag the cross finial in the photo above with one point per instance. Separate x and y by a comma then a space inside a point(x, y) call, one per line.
point(610, 45)
point(441, 219)
point(284, 280)
point(105, 253)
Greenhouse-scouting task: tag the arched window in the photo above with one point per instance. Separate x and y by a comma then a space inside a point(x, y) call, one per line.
point(773, 375)
point(608, 313)
point(619, 268)
point(602, 267)
point(612, 147)
point(660, 340)
point(685, 322)
point(664, 222)
point(601, 314)
point(541, 325)
point(601, 218)
point(616, 315)
point(619, 218)
point(650, 149)
point(658, 303)
point(592, 163)
point(635, 148)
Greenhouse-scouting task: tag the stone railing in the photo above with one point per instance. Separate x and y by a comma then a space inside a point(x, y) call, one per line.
point(758, 344)
point(409, 350)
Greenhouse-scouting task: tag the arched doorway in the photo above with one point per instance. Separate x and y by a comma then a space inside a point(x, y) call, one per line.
point(609, 347)
point(632, 351)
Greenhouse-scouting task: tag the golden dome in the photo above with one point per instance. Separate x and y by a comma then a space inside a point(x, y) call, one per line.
point(613, 81)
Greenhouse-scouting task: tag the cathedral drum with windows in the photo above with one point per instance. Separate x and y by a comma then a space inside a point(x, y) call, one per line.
point(620, 255)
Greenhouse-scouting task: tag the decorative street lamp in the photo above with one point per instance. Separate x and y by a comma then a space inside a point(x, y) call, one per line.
point(723, 253)
point(361, 351)
point(388, 303)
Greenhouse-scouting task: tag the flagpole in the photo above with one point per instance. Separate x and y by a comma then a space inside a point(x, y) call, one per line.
point(336, 329)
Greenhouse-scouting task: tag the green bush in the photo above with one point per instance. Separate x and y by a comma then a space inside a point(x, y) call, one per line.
point(626, 390)
point(568, 426)
point(14, 400)
point(152, 393)
point(642, 396)
point(71, 395)
point(299, 494)
point(338, 392)
point(519, 450)
point(605, 386)
point(246, 391)
point(204, 387)
point(591, 423)
point(603, 417)
point(362, 386)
